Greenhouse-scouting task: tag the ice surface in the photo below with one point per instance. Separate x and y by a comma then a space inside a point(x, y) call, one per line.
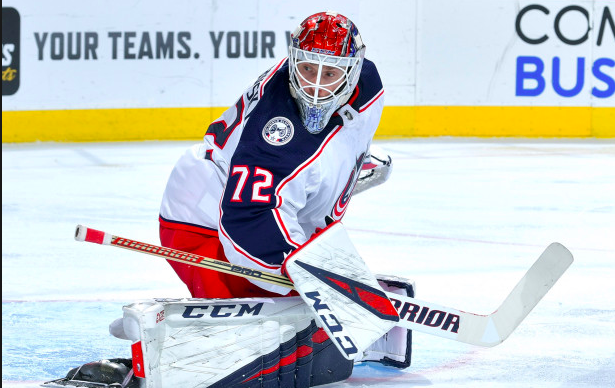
point(464, 218)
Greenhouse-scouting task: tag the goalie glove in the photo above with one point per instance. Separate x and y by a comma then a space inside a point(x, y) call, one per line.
point(376, 169)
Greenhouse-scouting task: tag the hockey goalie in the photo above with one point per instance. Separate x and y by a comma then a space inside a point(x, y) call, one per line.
point(256, 193)
point(250, 222)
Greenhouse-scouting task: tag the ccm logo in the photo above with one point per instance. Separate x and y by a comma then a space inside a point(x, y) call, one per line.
point(222, 310)
point(424, 316)
point(332, 323)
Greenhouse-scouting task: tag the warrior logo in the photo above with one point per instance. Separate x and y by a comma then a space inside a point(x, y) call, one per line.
point(278, 131)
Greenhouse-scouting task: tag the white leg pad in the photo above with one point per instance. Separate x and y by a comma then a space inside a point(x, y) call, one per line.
point(200, 342)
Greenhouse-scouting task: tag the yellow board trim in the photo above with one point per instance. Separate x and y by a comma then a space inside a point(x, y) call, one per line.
point(397, 121)
point(107, 124)
point(497, 121)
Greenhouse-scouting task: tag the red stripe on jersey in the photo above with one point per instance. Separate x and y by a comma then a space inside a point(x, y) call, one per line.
point(278, 219)
point(288, 179)
point(354, 96)
point(377, 96)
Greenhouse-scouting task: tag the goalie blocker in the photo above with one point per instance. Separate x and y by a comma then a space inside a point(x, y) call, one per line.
point(344, 295)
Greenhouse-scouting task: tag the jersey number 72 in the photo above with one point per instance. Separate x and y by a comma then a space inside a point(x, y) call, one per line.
point(265, 182)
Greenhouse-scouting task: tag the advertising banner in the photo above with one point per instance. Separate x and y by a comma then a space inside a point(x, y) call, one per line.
point(10, 51)
point(113, 70)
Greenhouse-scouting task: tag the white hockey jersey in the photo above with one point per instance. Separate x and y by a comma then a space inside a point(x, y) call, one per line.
point(262, 181)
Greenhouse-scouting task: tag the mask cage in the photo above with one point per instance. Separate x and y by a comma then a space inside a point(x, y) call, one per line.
point(316, 111)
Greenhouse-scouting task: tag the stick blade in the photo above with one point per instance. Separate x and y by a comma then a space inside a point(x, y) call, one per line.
point(534, 285)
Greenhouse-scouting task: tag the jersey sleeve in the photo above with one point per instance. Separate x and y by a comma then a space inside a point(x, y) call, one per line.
point(222, 136)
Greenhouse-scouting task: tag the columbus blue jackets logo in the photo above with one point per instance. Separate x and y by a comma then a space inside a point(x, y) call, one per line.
point(278, 131)
point(342, 201)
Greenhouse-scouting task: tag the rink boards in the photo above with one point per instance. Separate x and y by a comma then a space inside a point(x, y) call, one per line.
point(76, 71)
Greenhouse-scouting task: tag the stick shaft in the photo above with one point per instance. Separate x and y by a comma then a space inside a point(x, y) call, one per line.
point(95, 236)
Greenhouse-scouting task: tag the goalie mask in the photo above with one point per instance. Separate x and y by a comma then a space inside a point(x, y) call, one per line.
point(325, 59)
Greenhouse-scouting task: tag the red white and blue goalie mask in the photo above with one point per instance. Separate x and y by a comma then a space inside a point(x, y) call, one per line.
point(325, 59)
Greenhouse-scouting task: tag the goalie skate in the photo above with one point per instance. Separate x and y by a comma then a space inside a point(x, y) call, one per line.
point(114, 373)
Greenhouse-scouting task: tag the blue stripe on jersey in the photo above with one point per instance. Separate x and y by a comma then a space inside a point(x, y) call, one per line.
point(251, 224)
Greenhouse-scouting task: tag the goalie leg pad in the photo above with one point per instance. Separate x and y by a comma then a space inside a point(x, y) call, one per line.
point(221, 343)
point(328, 365)
point(288, 356)
point(305, 355)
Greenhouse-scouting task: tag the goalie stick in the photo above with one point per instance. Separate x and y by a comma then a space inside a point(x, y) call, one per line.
point(418, 315)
